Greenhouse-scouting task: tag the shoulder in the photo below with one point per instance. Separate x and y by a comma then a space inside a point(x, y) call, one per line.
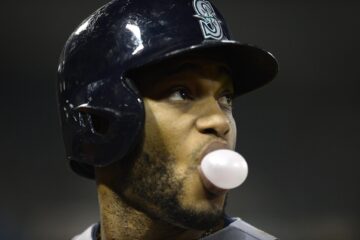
point(88, 234)
point(240, 230)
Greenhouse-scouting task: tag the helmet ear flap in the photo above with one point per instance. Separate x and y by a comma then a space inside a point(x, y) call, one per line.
point(105, 129)
point(93, 121)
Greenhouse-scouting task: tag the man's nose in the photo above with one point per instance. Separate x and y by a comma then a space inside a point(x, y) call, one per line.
point(212, 119)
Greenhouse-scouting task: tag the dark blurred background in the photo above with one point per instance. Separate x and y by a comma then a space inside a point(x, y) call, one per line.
point(300, 134)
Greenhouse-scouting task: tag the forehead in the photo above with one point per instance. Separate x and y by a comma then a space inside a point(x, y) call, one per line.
point(185, 69)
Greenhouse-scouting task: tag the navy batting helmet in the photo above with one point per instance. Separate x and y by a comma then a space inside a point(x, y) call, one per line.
point(123, 36)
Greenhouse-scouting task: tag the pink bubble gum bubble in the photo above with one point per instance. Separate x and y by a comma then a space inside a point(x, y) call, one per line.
point(225, 169)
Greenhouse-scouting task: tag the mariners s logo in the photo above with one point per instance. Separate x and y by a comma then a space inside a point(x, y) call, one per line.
point(209, 23)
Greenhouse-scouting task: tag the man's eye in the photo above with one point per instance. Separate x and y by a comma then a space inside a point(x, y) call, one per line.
point(180, 94)
point(226, 100)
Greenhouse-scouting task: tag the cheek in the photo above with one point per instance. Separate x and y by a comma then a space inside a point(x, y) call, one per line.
point(161, 132)
point(156, 120)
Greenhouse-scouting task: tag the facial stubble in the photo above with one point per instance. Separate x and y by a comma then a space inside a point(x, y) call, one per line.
point(158, 192)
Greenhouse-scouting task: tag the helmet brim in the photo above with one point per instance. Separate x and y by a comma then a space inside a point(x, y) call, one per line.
point(251, 67)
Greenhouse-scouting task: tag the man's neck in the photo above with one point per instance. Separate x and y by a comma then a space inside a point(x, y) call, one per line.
point(120, 221)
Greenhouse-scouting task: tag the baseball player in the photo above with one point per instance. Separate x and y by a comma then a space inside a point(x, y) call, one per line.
point(145, 96)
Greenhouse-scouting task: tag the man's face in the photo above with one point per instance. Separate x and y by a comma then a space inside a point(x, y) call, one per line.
point(188, 111)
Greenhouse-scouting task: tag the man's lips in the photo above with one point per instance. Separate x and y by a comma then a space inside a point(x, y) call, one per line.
point(212, 147)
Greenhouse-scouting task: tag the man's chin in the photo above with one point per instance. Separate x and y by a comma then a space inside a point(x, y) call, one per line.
point(191, 219)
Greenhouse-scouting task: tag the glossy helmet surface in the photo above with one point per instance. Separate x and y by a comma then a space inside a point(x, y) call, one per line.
point(124, 35)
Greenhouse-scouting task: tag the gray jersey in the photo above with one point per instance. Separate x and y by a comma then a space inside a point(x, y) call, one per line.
point(236, 230)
